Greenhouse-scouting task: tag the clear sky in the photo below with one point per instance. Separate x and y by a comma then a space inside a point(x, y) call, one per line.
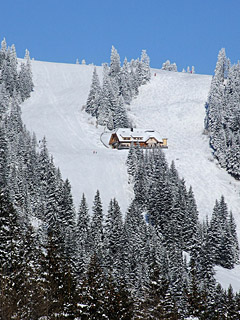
point(188, 32)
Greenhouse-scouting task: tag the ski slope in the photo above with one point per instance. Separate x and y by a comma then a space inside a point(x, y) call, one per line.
point(172, 103)
point(55, 111)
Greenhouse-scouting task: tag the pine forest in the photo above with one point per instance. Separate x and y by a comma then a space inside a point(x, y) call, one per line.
point(156, 261)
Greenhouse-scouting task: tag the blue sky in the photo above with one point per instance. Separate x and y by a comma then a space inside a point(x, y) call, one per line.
point(188, 32)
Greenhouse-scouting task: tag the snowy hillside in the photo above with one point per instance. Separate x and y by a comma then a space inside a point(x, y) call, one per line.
point(55, 110)
point(172, 103)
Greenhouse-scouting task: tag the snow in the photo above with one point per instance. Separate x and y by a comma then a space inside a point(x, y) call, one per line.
point(172, 104)
point(226, 277)
point(55, 110)
point(132, 134)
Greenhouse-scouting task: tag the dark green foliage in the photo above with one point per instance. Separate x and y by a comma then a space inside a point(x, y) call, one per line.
point(57, 281)
point(96, 227)
point(92, 303)
point(82, 238)
point(10, 253)
point(114, 240)
point(222, 233)
point(101, 298)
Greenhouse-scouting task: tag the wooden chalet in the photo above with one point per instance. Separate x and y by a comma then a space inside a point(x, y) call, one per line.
point(124, 137)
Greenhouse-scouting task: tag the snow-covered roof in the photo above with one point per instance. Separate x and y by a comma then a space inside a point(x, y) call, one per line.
point(138, 134)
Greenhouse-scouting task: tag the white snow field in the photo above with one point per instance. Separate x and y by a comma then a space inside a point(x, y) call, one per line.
point(172, 103)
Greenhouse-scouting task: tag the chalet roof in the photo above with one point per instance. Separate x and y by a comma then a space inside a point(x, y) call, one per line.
point(137, 134)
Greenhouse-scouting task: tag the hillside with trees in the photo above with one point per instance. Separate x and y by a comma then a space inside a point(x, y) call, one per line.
point(120, 85)
point(156, 261)
point(222, 115)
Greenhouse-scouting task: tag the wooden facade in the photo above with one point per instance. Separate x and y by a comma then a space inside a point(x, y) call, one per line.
point(123, 138)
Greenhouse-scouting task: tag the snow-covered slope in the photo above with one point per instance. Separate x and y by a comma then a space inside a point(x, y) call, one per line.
point(55, 110)
point(172, 103)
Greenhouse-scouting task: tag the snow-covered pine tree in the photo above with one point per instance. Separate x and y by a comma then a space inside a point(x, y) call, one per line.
point(92, 302)
point(110, 123)
point(3, 52)
point(26, 76)
point(130, 162)
point(222, 114)
point(134, 78)
point(58, 284)
point(4, 100)
point(125, 83)
point(83, 237)
point(120, 119)
point(10, 256)
point(105, 102)
point(145, 62)
point(24, 86)
point(206, 271)
point(191, 219)
point(234, 238)
point(96, 226)
point(113, 240)
point(3, 157)
point(94, 95)
point(115, 64)
point(168, 66)
point(7, 76)
point(136, 260)
point(119, 86)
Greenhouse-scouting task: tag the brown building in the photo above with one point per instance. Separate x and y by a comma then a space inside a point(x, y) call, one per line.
point(123, 137)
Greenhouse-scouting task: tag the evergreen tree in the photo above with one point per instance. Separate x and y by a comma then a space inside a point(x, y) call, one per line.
point(115, 65)
point(83, 237)
point(120, 115)
point(131, 162)
point(168, 66)
point(3, 157)
point(146, 73)
point(234, 238)
point(58, 284)
point(113, 239)
point(120, 84)
point(94, 95)
point(92, 304)
point(3, 52)
point(96, 227)
point(10, 257)
point(125, 83)
point(230, 305)
point(136, 264)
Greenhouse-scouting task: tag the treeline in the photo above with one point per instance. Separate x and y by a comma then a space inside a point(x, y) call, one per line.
point(97, 266)
point(171, 208)
point(222, 122)
point(14, 80)
point(120, 85)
